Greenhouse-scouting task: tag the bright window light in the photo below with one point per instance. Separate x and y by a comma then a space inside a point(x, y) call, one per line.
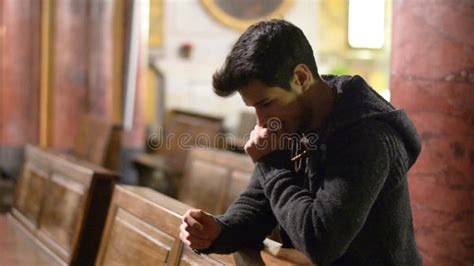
point(366, 23)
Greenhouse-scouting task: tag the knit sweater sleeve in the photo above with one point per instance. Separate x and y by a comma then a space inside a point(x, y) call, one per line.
point(246, 222)
point(323, 226)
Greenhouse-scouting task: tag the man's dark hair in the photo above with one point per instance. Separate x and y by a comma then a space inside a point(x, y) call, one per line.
point(267, 51)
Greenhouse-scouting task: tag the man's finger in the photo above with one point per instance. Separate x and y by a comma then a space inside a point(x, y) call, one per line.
point(198, 215)
point(253, 134)
point(193, 242)
point(202, 217)
point(263, 133)
point(192, 222)
point(183, 238)
point(188, 213)
point(184, 227)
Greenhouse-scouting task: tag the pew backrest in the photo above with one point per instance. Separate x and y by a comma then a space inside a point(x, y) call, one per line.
point(98, 141)
point(63, 202)
point(213, 179)
point(143, 229)
point(185, 130)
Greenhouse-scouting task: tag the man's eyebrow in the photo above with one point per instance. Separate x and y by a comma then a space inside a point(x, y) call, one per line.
point(260, 102)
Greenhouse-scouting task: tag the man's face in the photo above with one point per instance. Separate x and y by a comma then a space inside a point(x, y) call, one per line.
point(272, 103)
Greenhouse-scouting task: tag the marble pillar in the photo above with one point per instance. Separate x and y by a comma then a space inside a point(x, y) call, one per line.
point(82, 65)
point(70, 74)
point(432, 78)
point(19, 80)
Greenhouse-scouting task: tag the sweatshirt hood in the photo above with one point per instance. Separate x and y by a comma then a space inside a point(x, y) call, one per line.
point(358, 101)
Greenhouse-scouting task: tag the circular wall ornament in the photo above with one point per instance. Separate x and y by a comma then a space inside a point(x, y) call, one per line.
point(240, 14)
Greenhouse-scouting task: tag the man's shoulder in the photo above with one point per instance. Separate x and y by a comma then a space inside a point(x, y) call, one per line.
point(367, 138)
point(368, 128)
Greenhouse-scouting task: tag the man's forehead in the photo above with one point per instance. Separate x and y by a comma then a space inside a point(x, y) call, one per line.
point(254, 92)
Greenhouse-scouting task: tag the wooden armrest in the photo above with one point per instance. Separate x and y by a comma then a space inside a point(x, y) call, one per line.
point(272, 251)
point(248, 257)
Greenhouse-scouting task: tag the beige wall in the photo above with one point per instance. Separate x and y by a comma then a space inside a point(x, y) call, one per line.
point(188, 81)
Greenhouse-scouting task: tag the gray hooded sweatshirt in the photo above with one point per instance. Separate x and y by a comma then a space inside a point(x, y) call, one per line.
point(350, 205)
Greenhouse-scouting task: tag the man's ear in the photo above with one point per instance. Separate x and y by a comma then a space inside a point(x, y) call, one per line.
point(302, 77)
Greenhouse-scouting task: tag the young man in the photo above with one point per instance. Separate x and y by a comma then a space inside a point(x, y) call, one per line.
point(342, 198)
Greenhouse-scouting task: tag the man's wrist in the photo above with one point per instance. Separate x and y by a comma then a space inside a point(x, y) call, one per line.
point(215, 241)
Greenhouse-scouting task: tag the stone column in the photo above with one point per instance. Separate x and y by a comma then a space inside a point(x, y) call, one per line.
point(20, 23)
point(69, 80)
point(432, 78)
point(82, 65)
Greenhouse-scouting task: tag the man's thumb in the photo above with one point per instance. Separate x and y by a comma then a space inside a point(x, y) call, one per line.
point(201, 216)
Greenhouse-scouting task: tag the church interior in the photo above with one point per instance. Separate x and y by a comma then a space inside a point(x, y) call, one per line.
point(110, 129)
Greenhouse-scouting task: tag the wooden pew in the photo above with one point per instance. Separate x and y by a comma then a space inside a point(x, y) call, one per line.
point(6, 193)
point(247, 122)
point(17, 247)
point(60, 204)
point(200, 128)
point(168, 159)
point(213, 179)
point(274, 254)
point(98, 141)
point(143, 229)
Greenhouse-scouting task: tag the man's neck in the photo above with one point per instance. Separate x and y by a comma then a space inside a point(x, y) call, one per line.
point(320, 101)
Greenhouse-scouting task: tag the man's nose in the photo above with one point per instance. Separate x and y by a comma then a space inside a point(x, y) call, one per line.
point(261, 118)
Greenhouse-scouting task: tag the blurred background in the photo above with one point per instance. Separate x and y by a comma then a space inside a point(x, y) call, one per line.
point(107, 80)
